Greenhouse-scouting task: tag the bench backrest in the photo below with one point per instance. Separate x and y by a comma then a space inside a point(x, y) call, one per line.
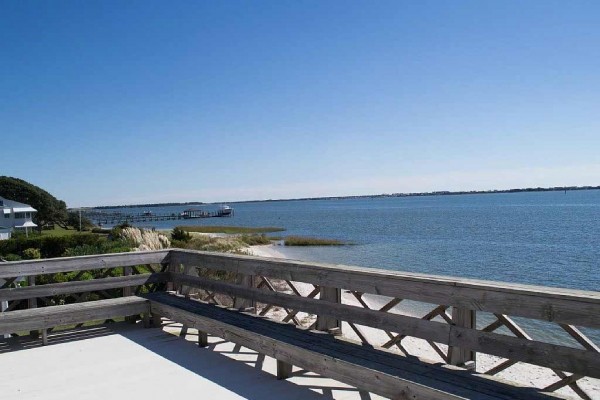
point(76, 279)
point(465, 316)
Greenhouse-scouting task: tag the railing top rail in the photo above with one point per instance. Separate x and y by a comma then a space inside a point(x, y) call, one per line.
point(563, 305)
point(549, 291)
point(66, 264)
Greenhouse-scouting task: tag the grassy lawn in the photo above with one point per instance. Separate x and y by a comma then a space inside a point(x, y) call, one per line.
point(231, 229)
point(58, 231)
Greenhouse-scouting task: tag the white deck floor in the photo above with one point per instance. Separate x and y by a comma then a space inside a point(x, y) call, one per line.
point(121, 361)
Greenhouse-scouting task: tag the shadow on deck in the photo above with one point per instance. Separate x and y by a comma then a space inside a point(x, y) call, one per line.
point(122, 360)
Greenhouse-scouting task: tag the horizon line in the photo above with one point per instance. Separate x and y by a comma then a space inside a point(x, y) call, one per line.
point(396, 194)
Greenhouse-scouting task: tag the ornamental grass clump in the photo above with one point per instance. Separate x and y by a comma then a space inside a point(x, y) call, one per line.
point(311, 241)
point(143, 240)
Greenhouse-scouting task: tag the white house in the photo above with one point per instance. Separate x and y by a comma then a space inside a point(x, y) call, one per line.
point(15, 215)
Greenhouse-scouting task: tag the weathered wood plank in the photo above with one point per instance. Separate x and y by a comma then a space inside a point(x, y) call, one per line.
point(67, 264)
point(544, 354)
point(128, 290)
point(47, 317)
point(249, 281)
point(575, 307)
point(456, 355)
point(284, 370)
point(333, 295)
point(379, 371)
point(53, 289)
point(310, 360)
point(32, 303)
point(202, 339)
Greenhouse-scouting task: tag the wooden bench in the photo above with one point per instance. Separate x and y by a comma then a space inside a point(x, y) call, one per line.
point(377, 371)
point(68, 314)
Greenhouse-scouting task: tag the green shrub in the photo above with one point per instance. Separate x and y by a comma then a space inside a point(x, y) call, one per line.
point(115, 233)
point(12, 257)
point(32, 254)
point(49, 246)
point(180, 235)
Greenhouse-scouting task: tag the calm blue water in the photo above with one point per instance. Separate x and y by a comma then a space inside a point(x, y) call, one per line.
point(545, 238)
point(542, 238)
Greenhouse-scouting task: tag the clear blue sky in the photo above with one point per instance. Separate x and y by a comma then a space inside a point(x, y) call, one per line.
point(113, 102)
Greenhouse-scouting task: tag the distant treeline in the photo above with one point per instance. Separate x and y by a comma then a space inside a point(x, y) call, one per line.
point(374, 196)
point(189, 203)
point(437, 193)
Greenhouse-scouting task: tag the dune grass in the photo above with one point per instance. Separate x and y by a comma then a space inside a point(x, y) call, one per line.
point(231, 229)
point(253, 240)
point(311, 241)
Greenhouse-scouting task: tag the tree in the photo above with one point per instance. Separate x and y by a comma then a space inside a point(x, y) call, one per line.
point(73, 219)
point(49, 208)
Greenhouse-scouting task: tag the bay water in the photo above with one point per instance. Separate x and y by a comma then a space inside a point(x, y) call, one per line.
point(541, 238)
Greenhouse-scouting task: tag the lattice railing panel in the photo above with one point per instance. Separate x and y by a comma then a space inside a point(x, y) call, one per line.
point(287, 315)
point(564, 379)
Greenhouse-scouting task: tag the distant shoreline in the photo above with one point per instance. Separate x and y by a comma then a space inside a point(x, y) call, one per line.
point(367, 196)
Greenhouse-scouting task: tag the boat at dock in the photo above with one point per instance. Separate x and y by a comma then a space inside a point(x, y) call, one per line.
point(225, 210)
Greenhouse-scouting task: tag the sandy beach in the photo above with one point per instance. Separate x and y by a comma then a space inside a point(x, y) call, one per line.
point(521, 373)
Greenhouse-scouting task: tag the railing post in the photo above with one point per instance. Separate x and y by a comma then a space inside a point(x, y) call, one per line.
point(326, 323)
point(284, 370)
point(187, 291)
point(32, 303)
point(127, 290)
point(466, 358)
point(169, 265)
point(241, 303)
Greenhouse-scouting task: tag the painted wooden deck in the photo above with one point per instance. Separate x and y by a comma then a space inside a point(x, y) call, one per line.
point(126, 361)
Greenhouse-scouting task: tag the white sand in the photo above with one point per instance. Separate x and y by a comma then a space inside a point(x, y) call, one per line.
point(521, 373)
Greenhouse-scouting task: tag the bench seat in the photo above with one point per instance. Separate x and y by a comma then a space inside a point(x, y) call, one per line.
point(67, 314)
point(378, 371)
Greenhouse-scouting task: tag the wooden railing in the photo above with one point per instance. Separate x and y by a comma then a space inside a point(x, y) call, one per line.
point(450, 325)
point(77, 279)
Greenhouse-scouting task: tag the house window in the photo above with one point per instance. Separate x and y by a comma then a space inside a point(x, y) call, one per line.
point(6, 215)
point(19, 215)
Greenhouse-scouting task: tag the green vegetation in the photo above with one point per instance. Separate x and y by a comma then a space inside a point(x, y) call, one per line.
point(311, 241)
point(231, 229)
point(207, 243)
point(229, 244)
point(58, 246)
point(180, 235)
point(57, 231)
point(253, 240)
point(73, 219)
point(32, 254)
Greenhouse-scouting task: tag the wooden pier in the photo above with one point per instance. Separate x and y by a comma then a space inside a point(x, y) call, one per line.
point(177, 285)
point(106, 218)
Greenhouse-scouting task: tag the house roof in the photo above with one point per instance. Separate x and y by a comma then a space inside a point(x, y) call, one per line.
point(26, 224)
point(24, 209)
point(17, 206)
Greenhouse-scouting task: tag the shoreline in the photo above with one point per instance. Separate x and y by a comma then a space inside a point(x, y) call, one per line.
point(520, 373)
